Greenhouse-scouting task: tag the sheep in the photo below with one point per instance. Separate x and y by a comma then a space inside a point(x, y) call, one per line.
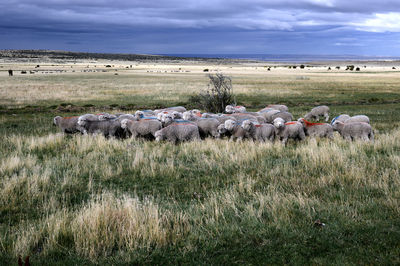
point(340, 118)
point(67, 125)
point(351, 131)
point(223, 131)
point(161, 117)
point(242, 116)
point(191, 116)
point(322, 130)
point(180, 109)
point(284, 115)
point(89, 117)
point(234, 130)
point(223, 118)
point(208, 115)
point(358, 118)
point(268, 115)
point(109, 128)
point(106, 116)
point(141, 114)
point(177, 115)
point(318, 111)
point(196, 112)
point(177, 132)
point(280, 107)
point(266, 109)
point(208, 127)
point(293, 130)
point(230, 109)
point(126, 116)
point(165, 118)
point(148, 112)
point(143, 127)
point(169, 119)
point(260, 132)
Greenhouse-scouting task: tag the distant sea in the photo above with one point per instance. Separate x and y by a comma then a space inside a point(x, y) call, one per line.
point(291, 58)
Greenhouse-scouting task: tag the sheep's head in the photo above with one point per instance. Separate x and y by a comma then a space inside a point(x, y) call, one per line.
point(247, 124)
point(341, 118)
point(81, 121)
point(195, 111)
point(308, 116)
point(106, 116)
point(336, 125)
point(160, 117)
point(159, 135)
point(56, 120)
point(167, 119)
point(139, 114)
point(187, 115)
point(229, 109)
point(176, 115)
point(279, 123)
point(124, 123)
point(229, 124)
point(221, 129)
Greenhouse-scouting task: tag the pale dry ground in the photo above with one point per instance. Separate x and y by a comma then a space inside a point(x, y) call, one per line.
point(173, 82)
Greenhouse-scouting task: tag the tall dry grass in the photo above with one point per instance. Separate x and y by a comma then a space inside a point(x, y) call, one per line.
point(98, 198)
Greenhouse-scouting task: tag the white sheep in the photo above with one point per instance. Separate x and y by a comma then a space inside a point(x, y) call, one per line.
point(177, 132)
point(322, 130)
point(355, 130)
point(318, 111)
point(293, 130)
point(260, 132)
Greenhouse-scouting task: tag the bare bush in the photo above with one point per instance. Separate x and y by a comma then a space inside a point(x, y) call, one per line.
point(218, 94)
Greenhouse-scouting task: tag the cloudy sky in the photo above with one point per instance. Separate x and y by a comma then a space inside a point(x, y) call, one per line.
point(352, 27)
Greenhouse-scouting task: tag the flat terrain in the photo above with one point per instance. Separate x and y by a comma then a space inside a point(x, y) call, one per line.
point(88, 200)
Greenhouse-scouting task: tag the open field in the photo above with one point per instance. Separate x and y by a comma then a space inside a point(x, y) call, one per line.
point(88, 200)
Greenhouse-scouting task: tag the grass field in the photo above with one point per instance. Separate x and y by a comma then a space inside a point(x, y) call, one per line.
point(87, 200)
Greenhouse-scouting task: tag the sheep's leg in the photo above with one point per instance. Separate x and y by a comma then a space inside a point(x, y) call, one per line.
point(371, 136)
point(326, 117)
point(134, 135)
point(302, 136)
point(365, 137)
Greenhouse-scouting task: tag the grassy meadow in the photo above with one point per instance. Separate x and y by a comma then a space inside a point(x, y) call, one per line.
point(87, 200)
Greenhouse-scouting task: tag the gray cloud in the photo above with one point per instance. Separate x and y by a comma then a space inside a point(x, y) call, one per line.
point(249, 14)
point(174, 25)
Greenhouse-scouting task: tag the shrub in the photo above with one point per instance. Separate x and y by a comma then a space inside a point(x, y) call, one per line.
point(357, 69)
point(217, 96)
point(205, 70)
point(302, 66)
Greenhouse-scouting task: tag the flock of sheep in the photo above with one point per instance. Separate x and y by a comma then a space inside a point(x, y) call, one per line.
point(176, 124)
